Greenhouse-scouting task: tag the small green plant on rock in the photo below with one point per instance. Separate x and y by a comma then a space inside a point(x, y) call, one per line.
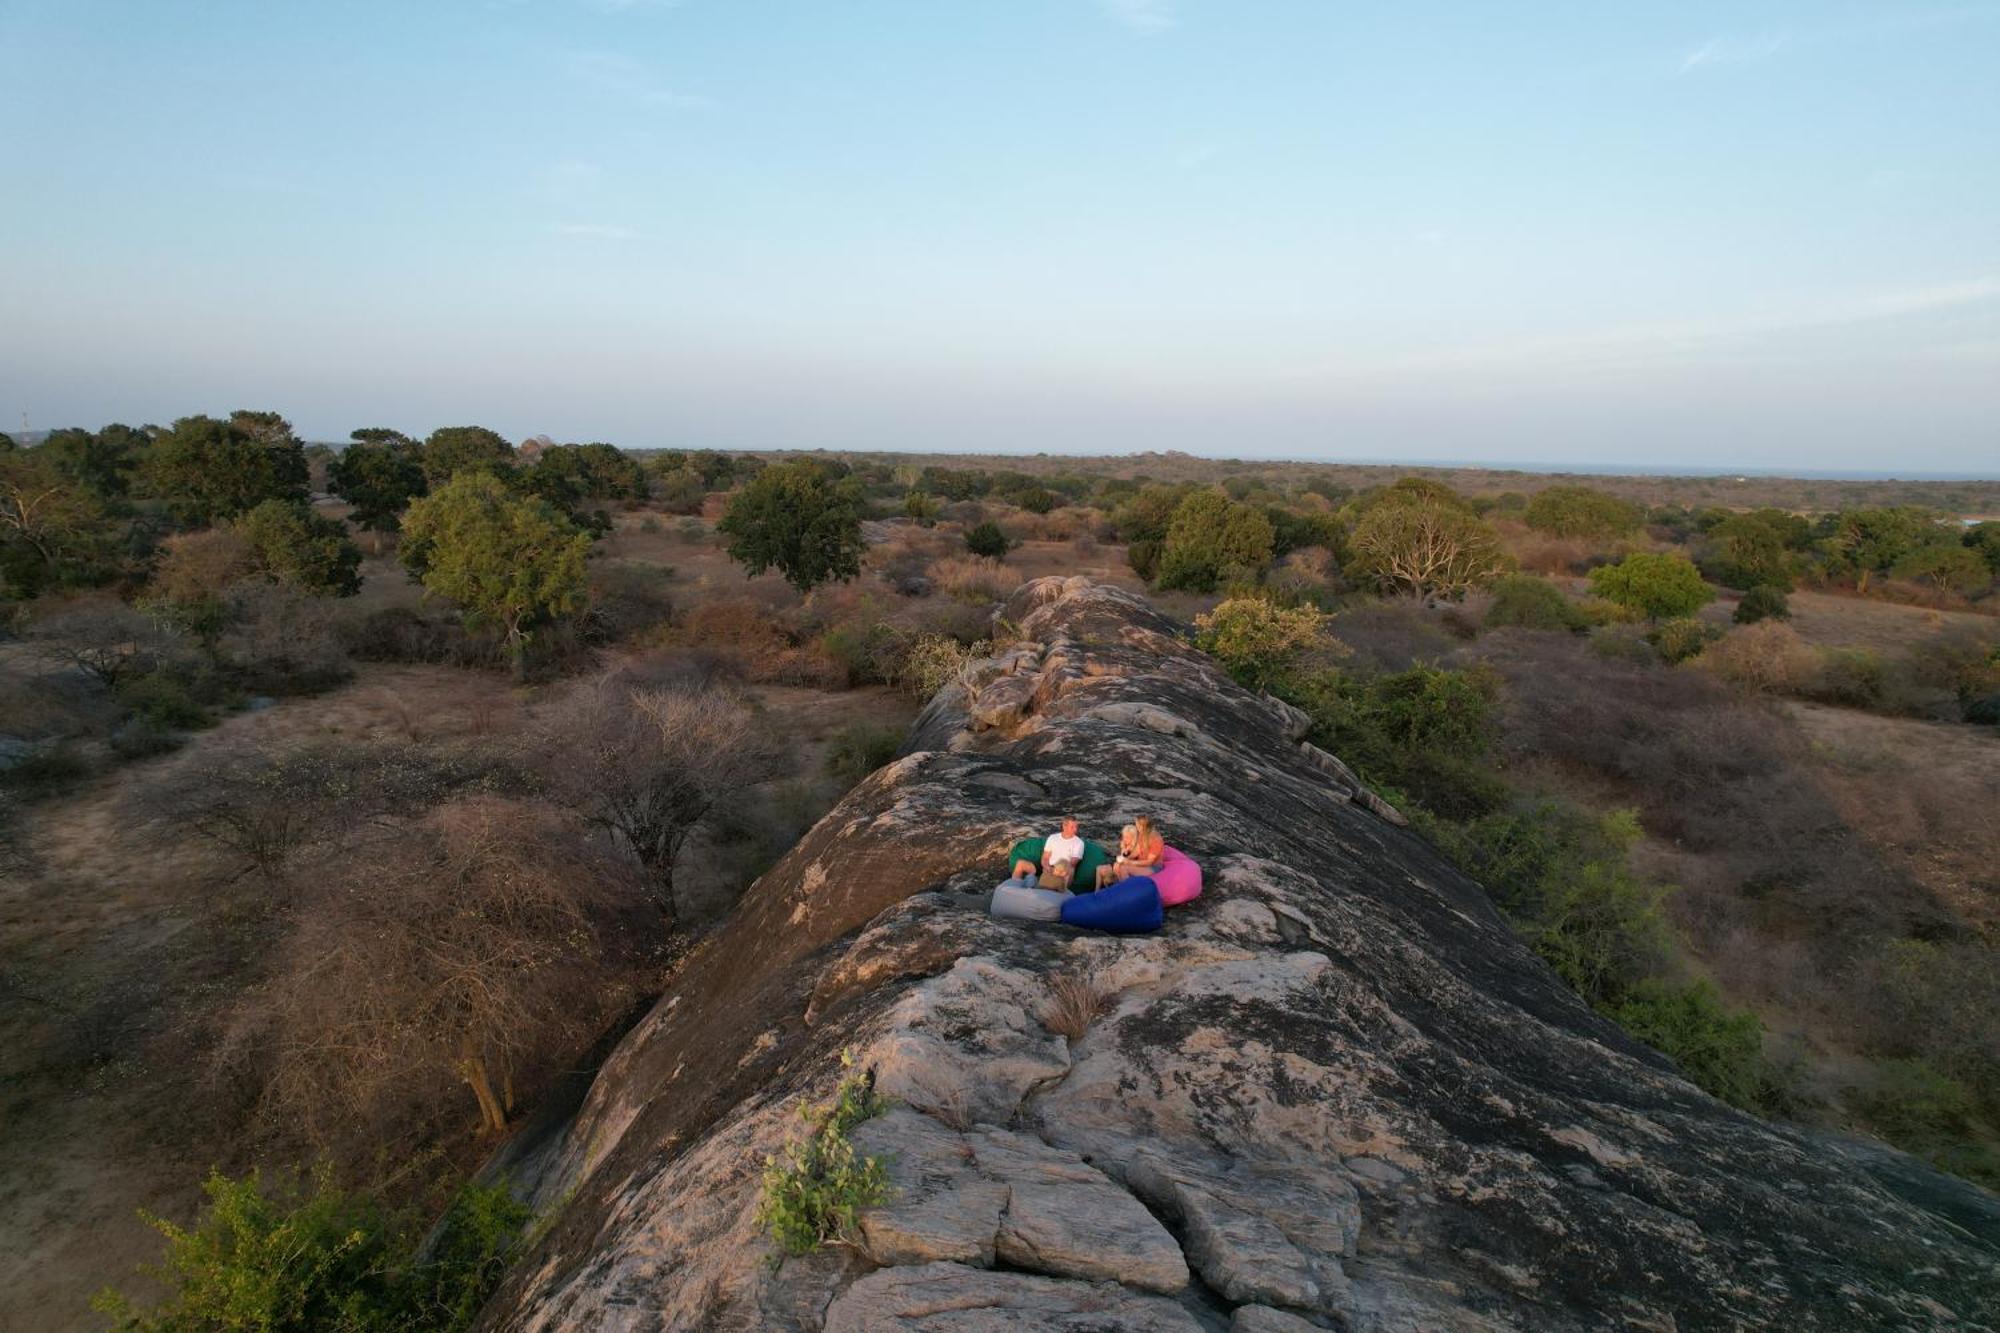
point(815, 1189)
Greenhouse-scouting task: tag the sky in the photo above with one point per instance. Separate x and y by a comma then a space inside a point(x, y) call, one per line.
point(1697, 234)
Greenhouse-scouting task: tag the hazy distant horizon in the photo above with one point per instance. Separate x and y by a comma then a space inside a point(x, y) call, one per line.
point(1716, 234)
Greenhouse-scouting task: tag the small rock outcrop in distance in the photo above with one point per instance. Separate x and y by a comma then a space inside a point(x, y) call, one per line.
point(1335, 1092)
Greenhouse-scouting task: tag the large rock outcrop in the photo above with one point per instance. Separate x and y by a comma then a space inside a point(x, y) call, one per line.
point(1334, 1093)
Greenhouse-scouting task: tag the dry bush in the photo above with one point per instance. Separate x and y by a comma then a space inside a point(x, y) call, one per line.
point(458, 962)
point(1392, 636)
point(1539, 553)
point(281, 640)
point(764, 649)
point(1768, 655)
point(628, 597)
point(262, 803)
point(651, 766)
point(1074, 1003)
point(974, 578)
point(196, 566)
point(102, 637)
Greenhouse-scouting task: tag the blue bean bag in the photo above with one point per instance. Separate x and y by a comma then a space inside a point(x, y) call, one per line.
point(1129, 907)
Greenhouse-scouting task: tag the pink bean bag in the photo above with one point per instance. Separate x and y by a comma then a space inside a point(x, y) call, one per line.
point(1178, 877)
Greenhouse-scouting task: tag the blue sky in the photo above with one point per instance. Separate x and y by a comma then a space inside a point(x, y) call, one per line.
point(1743, 234)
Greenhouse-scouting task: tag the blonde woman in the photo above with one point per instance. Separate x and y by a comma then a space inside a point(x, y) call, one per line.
point(1141, 851)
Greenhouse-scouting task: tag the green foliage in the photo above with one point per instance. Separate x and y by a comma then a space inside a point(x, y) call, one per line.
point(1415, 491)
point(1210, 537)
point(1925, 1111)
point(796, 518)
point(1659, 587)
point(1958, 569)
point(1681, 638)
point(171, 699)
point(921, 507)
point(1146, 515)
point(1860, 543)
point(1411, 540)
point(1763, 602)
point(305, 1255)
point(206, 470)
point(53, 531)
point(987, 540)
point(450, 450)
point(1419, 731)
point(506, 559)
point(1256, 639)
point(1752, 550)
point(1719, 1049)
point(1984, 539)
point(868, 650)
point(858, 749)
point(101, 462)
point(570, 475)
point(1532, 602)
point(815, 1189)
point(292, 544)
point(1580, 511)
point(378, 478)
point(1292, 530)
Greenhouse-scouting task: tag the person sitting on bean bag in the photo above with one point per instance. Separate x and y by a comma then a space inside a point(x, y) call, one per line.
point(1061, 853)
point(1141, 851)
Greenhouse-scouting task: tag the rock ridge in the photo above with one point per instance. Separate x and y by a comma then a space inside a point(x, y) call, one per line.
point(1335, 1092)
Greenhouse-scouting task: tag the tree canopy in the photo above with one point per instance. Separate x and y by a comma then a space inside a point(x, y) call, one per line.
point(1424, 546)
point(291, 544)
point(1212, 539)
point(379, 477)
point(205, 470)
point(505, 559)
point(797, 519)
point(450, 450)
point(1657, 586)
point(1580, 511)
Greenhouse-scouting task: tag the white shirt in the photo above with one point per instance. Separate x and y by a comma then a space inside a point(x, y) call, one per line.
point(1059, 848)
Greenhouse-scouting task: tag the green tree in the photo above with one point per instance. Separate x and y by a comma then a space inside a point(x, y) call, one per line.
point(205, 470)
point(53, 531)
point(921, 507)
point(291, 544)
point(1985, 539)
point(1861, 543)
point(1580, 511)
point(1763, 602)
point(450, 450)
point(505, 559)
point(1425, 547)
point(1210, 538)
point(796, 518)
point(1659, 587)
point(571, 474)
point(378, 475)
point(1751, 550)
point(102, 462)
point(1532, 602)
point(1145, 515)
point(1956, 569)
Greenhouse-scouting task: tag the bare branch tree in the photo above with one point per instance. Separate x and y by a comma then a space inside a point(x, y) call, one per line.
point(107, 639)
point(652, 765)
point(472, 953)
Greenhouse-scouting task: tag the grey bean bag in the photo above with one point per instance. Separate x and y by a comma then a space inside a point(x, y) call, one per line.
point(1017, 901)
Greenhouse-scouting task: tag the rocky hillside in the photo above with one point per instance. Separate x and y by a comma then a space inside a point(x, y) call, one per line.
point(1334, 1092)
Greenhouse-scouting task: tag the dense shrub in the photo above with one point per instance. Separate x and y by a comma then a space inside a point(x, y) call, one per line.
point(1532, 603)
point(1256, 639)
point(1579, 511)
point(1719, 1049)
point(1212, 539)
point(1848, 677)
point(1680, 639)
point(987, 540)
point(1768, 655)
point(1659, 587)
point(1764, 602)
point(866, 652)
point(860, 748)
point(1419, 731)
point(293, 1255)
point(292, 544)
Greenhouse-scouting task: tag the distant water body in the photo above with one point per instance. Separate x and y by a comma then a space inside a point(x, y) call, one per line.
point(1652, 469)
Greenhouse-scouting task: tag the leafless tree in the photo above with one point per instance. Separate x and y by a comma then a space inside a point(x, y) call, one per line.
point(105, 638)
point(474, 951)
point(651, 765)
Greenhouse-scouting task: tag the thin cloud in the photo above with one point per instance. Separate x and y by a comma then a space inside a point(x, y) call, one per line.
point(1142, 15)
point(597, 231)
point(621, 76)
point(1732, 51)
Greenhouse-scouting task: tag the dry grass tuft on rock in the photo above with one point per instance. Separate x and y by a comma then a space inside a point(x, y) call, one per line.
point(1075, 1002)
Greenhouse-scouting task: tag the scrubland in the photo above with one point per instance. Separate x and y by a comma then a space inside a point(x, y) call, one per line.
point(1725, 753)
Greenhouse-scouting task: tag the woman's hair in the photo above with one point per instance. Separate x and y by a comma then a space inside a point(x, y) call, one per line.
point(1144, 826)
point(1128, 834)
